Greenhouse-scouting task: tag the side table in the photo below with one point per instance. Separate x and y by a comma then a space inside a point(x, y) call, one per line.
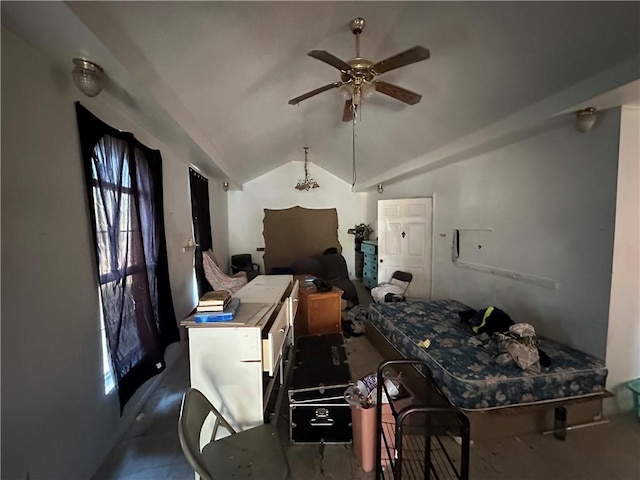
point(318, 312)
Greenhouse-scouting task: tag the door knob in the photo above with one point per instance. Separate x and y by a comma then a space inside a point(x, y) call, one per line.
point(381, 261)
point(403, 234)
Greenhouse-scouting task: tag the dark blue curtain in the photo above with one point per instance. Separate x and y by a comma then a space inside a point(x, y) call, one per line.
point(124, 190)
point(201, 217)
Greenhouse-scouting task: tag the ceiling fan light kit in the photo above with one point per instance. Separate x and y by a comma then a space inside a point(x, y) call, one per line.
point(358, 75)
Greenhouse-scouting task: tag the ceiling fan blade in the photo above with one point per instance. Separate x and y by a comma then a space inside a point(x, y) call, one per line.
point(397, 92)
point(332, 60)
point(293, 101)
point(413, 55)
point(347, 113)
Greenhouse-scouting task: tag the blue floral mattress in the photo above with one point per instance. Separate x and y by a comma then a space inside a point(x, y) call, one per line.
point(465, 368)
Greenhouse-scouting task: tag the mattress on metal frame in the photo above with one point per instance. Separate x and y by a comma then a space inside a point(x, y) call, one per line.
point(465, 369)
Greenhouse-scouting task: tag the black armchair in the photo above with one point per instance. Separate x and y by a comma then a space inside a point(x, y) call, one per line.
point(243, 263)
point(332, 268)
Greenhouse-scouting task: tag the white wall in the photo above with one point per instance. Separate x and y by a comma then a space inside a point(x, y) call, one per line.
point(56, 420)
point(623, 340)
point(275, 190)
point(550, 200)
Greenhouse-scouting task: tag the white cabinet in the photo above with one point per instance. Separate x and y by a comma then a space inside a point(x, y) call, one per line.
point(238, 365)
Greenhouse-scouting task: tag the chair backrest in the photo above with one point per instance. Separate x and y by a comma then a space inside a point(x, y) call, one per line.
point(242, 260)
point(194, 411)
point(402, 279)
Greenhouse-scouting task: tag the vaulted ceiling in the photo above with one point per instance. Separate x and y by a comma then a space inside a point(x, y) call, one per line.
point(213, 79)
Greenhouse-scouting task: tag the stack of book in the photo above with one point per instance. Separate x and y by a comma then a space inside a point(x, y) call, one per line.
point(216, 306)
point(214, 301)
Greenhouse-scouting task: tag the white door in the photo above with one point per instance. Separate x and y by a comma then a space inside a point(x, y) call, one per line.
point(405, 242)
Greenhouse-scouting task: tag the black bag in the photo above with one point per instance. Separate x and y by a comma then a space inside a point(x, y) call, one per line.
point(322, 286)
point(393, 297)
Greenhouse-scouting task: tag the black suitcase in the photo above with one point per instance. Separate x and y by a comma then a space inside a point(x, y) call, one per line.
point(317, 409)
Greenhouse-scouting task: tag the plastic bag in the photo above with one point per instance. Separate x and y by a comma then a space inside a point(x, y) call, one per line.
point(365, 390)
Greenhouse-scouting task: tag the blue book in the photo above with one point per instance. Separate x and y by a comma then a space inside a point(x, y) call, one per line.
point(224, 316)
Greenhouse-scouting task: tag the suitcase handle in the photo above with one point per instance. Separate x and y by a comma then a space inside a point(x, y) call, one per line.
point(322, 418)
point(328, 422)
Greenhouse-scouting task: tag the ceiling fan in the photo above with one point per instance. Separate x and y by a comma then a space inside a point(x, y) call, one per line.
point(358, 75)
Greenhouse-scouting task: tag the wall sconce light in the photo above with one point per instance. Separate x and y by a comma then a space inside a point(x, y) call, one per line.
point(225, 186)
point(380, 188)
point(87, 76)
point(586, 119)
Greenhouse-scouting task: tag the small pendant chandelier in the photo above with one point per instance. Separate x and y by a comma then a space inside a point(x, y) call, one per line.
point(307, 183)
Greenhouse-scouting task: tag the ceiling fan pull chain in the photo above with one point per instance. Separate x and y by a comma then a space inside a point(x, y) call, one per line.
point(353, 142)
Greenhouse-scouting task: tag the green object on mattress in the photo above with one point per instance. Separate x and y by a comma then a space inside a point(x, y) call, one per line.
point(486, 315)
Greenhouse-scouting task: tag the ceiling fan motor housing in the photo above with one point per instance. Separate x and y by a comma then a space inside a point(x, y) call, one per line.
point(360, 71)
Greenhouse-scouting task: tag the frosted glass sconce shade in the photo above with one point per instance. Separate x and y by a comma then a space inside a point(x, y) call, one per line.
point(87, 76)
point(586, 119)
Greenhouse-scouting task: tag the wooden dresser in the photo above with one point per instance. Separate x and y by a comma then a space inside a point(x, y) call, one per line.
point(370, 263)
point(318, 312)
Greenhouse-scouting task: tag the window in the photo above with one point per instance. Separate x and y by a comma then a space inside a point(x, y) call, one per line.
point(124, 188)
